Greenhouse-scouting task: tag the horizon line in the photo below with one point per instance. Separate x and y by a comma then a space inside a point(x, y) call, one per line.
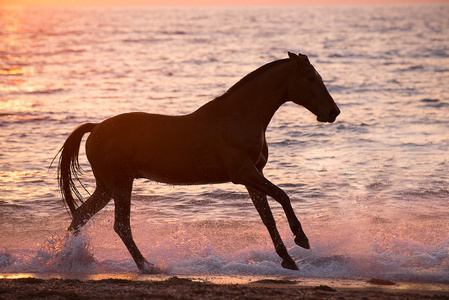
point(306, 3)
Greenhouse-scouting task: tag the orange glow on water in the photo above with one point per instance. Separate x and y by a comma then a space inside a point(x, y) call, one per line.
point(16, 276)
point(199, 2)
point(18, 105)
point(15, 67)
point(12, 71)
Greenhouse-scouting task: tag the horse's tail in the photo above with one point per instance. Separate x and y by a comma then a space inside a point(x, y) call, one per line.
point(69, 166)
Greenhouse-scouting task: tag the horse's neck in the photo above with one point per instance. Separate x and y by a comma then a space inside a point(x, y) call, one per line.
point(258, 100)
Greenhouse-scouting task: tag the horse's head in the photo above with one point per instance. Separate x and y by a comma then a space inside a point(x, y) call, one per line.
point(306, 88)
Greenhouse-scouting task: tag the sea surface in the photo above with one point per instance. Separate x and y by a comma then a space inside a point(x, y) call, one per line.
point(371, 189)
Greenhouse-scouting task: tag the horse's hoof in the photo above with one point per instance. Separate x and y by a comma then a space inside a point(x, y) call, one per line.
point(73, 229)
point(72, 232)
point(302, 241)
point(149, 268)
point(289, 264)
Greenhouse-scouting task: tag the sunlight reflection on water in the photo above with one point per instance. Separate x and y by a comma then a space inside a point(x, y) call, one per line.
point(371, 188)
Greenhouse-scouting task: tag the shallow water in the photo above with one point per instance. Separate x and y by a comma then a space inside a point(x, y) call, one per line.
point(371, 190)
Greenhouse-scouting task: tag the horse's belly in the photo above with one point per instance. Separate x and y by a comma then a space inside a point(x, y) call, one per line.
point(180, 176)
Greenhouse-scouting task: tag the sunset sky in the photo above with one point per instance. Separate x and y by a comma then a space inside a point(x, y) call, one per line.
point(199, 2)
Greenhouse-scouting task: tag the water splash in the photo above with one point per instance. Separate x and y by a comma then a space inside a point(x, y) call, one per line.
point(68, 254)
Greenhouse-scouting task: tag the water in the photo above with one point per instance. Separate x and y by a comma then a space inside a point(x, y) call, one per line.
point(371, 189)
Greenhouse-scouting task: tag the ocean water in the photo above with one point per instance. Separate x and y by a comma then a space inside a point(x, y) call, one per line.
point(371, 190)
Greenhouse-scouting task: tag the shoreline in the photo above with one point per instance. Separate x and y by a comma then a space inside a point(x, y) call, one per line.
point(121, 286)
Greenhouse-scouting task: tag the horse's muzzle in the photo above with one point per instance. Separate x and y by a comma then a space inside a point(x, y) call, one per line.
point(329, 117)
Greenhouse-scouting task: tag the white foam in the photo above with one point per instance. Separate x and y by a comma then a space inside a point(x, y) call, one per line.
point(238, 248)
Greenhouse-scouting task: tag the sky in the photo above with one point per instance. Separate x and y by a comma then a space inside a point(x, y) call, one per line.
point(199, 2)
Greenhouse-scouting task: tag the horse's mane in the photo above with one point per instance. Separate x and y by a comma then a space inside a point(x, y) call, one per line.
point(249, 78)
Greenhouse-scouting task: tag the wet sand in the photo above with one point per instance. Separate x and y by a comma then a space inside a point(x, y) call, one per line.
point(220, 287)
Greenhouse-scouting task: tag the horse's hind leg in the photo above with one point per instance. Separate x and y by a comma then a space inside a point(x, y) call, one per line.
point(90, 207)
point(122, 225)
point(260, 202)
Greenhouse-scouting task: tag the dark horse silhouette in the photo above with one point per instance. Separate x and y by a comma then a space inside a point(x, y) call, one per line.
point(222, 141)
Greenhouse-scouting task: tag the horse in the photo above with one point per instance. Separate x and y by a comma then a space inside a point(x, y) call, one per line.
point(222, 141)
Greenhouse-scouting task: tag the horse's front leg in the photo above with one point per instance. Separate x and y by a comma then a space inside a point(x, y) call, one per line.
point(260, 202)
point(249, 176)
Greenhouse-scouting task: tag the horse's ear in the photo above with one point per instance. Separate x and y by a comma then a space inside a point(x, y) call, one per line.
point(292, 56)
point(305, 57)
point(299, 59)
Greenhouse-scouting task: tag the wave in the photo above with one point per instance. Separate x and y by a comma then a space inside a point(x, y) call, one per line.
point(175, 32)
point(234, 248)
point(51, 53)
point(144, 40)
point(45, 91)
point(434, 103)
point(22, 118)
point(411, 68)
point(287, 142)
point(38, 117)
point(420, 194)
